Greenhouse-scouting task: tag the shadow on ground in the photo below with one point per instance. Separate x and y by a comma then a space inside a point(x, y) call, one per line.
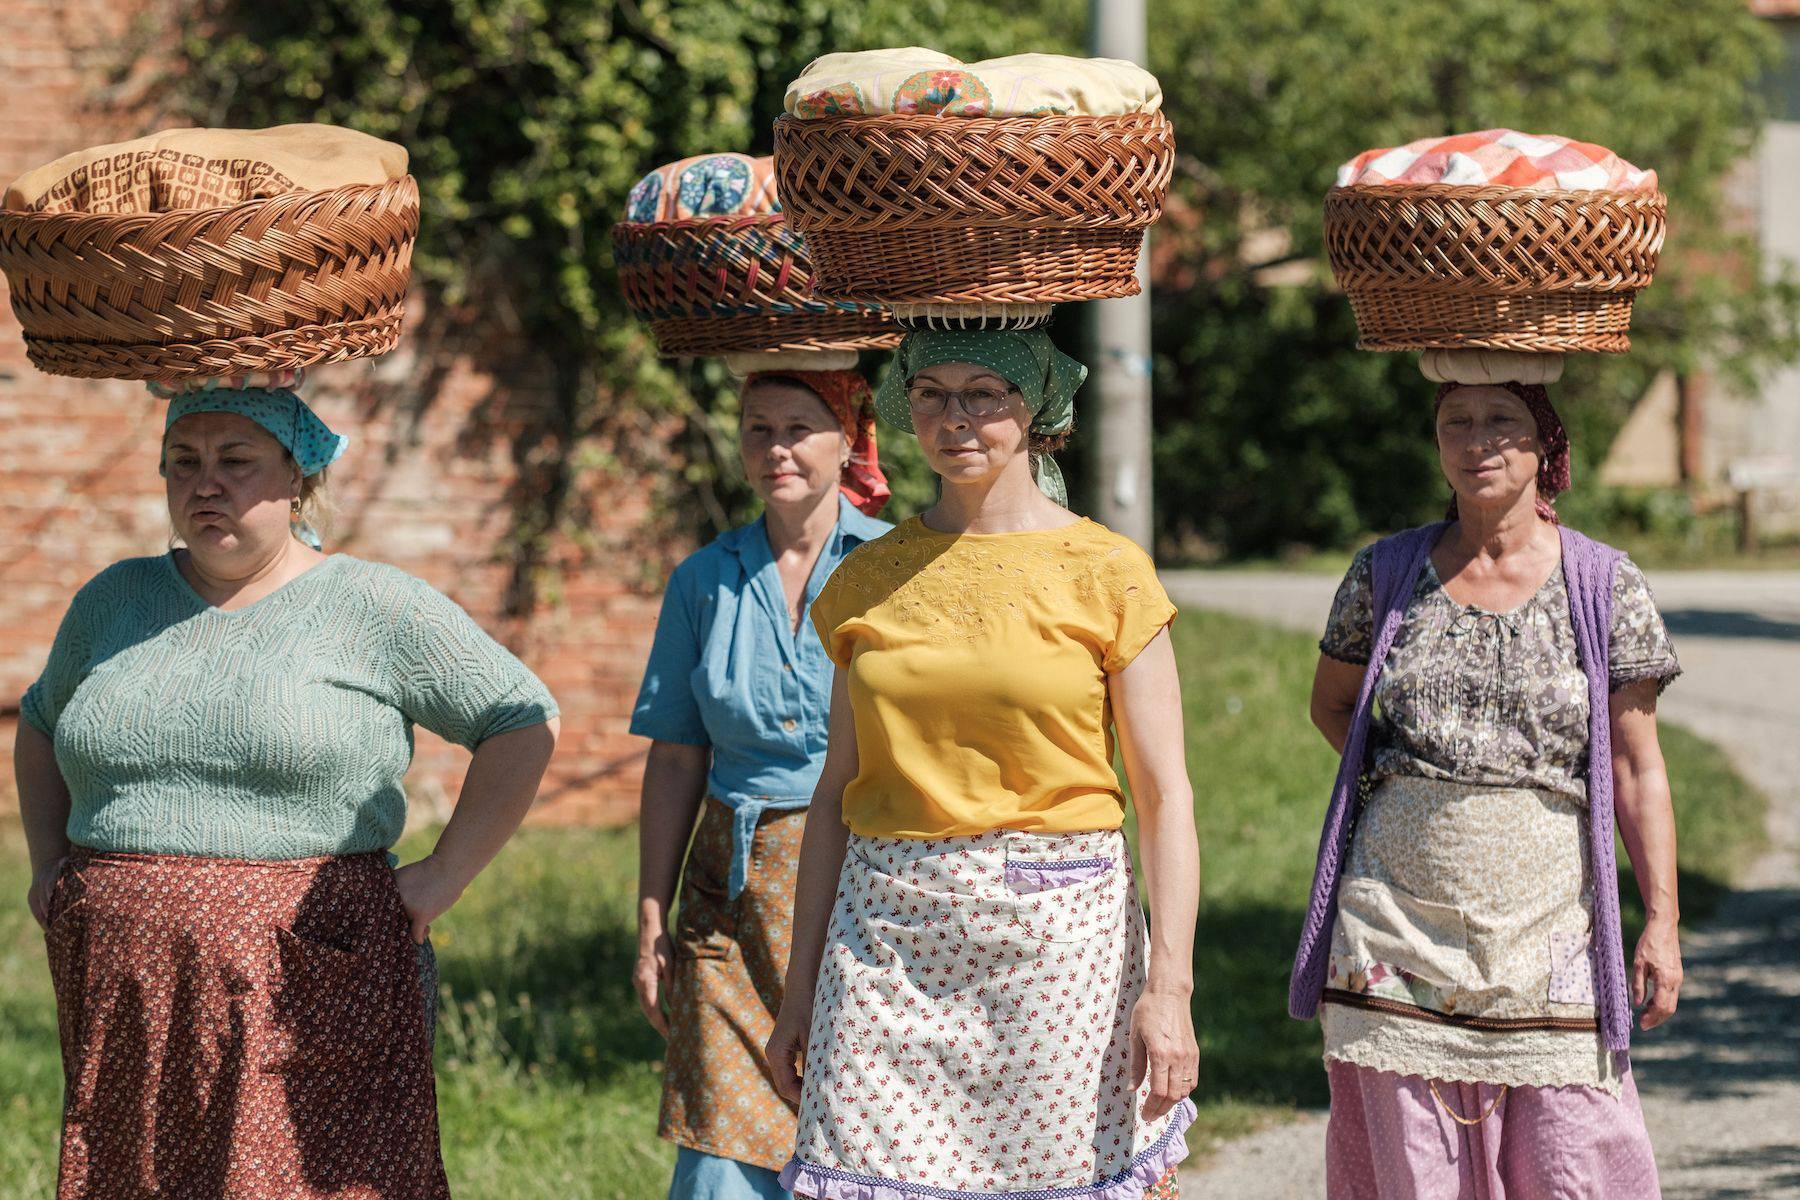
point(1735, 1030)
point(1729, 623)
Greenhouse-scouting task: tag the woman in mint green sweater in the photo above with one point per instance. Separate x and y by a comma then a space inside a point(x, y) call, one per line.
point(209, 771)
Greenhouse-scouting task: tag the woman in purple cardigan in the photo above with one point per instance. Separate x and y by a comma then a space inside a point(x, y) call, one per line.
point(1491, 683)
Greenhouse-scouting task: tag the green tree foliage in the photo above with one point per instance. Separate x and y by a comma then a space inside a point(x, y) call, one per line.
point(1272, 428)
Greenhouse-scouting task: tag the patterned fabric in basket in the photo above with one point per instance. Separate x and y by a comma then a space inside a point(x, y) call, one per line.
point(707, 185)
point(912, 81)
point(1499, 158)
point(181, 169)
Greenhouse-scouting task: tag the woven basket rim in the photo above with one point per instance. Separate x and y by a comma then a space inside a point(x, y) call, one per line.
point(1048, 123)
point(723, 224)
point(1490, 191)
point(144, 218)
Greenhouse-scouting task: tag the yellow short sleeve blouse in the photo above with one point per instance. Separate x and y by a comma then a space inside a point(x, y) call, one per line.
point(977, 675)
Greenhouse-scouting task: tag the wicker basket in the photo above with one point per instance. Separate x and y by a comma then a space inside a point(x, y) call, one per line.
point(941, 210)
point(1442, 266)
point(285, 281)
point(719, 285)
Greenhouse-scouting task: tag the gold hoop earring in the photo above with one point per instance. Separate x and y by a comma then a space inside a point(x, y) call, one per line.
point(294, 508)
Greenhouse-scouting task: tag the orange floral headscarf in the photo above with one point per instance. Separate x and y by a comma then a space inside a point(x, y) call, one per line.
point(847, 395)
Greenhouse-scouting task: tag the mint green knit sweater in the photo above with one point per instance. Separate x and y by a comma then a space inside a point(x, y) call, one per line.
point(279, 730)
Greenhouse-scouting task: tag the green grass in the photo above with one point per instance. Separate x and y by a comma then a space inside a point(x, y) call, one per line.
point(548, 1078)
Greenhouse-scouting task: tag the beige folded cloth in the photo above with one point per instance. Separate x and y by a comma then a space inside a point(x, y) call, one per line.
point(206, 168)
point(914, 81)
point(1490, 366)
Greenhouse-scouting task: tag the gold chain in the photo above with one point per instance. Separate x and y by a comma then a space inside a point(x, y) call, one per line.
point(1460, 1119)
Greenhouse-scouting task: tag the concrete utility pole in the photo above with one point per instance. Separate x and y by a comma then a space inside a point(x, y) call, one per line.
point(1120, 376)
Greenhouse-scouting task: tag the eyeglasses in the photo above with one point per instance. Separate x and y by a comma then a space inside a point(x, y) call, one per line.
point(979, 403)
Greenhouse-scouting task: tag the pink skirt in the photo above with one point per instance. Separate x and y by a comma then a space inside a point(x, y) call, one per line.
point(1390, 1139)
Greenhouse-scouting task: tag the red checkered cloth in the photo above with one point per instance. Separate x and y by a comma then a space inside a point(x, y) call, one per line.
point(1501, 158)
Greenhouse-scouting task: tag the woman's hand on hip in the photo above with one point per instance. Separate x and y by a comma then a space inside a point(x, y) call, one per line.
point(1656, 973)
point(786, 1047)
point(1164, 1049)
point(427, 888)
point(651, 978)
point(43, 883)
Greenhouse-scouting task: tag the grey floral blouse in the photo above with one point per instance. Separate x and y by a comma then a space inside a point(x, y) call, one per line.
point(1488, 698)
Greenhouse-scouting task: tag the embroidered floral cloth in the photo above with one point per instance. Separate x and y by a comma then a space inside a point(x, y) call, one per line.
point(1492, 698)
point(206, 168)
point(1498, 157)
point(913, 81)
point(970, 1031)
point(706, 185)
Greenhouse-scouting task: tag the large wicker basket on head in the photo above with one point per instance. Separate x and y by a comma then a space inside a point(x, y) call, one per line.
point(1450, 266)
point(719, 285)
point(927, 209)
point(197, 253)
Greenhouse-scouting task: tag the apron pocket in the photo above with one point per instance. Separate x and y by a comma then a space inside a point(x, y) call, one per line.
point(1025, 876)
point(1394, 945)
point(1571, 969)
point(1067, 910)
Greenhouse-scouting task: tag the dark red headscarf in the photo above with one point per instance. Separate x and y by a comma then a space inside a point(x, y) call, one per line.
point(847, 395)
point(1553, 442)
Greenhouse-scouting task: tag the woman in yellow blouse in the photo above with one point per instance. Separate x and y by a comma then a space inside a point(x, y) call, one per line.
point(968, 982)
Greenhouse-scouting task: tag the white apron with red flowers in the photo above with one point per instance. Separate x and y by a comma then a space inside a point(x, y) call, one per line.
point(970, 1027)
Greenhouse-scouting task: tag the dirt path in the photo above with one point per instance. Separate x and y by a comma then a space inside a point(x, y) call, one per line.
point(1721, 1083)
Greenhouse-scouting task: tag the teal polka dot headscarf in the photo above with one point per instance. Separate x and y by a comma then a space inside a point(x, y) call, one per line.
point(278, 410)
point(1025, 358)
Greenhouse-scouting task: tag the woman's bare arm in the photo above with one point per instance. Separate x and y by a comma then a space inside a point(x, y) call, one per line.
point(669, 802)
point(1336, 685)
point(1646, 815)
point(44, 812)
point(497, 790)
point(1146, 700)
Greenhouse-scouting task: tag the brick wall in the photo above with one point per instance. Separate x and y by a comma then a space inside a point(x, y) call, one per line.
point(426, 484)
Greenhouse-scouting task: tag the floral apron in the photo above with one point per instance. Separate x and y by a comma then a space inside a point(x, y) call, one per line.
point(970, 1027)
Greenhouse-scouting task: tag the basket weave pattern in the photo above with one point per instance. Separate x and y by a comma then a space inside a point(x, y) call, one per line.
point(281, 282)
point(1444, 266)
point(909, 209)
point(716, 285)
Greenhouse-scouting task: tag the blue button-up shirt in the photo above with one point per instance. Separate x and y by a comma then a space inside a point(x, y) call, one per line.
point(728, 671)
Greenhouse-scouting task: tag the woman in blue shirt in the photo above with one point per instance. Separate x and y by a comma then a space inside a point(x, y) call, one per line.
point(735, 698)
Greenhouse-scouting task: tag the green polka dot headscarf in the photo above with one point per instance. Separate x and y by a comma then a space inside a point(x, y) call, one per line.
point(286, 417)
point(1025, 358)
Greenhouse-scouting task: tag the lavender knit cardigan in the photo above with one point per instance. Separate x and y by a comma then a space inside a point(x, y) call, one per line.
point(1395, 565)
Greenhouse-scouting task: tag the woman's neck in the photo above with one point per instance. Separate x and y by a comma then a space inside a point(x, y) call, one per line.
point(802, 528)
point(231, 584)
point(1494, 532)
point(1012, 502)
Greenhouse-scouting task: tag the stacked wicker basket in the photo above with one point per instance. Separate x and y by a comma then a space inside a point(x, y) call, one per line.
point(735, 283)
point(157, 261)
point(953, 216)
point(1521, 274)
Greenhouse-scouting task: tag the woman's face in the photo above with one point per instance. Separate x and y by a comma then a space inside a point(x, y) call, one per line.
point(1488, 445)
point(960, 447)
point(231, 486)
point(793, 448)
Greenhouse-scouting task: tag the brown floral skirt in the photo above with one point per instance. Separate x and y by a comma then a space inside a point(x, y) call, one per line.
point(243, 1029)
point(730, 963)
